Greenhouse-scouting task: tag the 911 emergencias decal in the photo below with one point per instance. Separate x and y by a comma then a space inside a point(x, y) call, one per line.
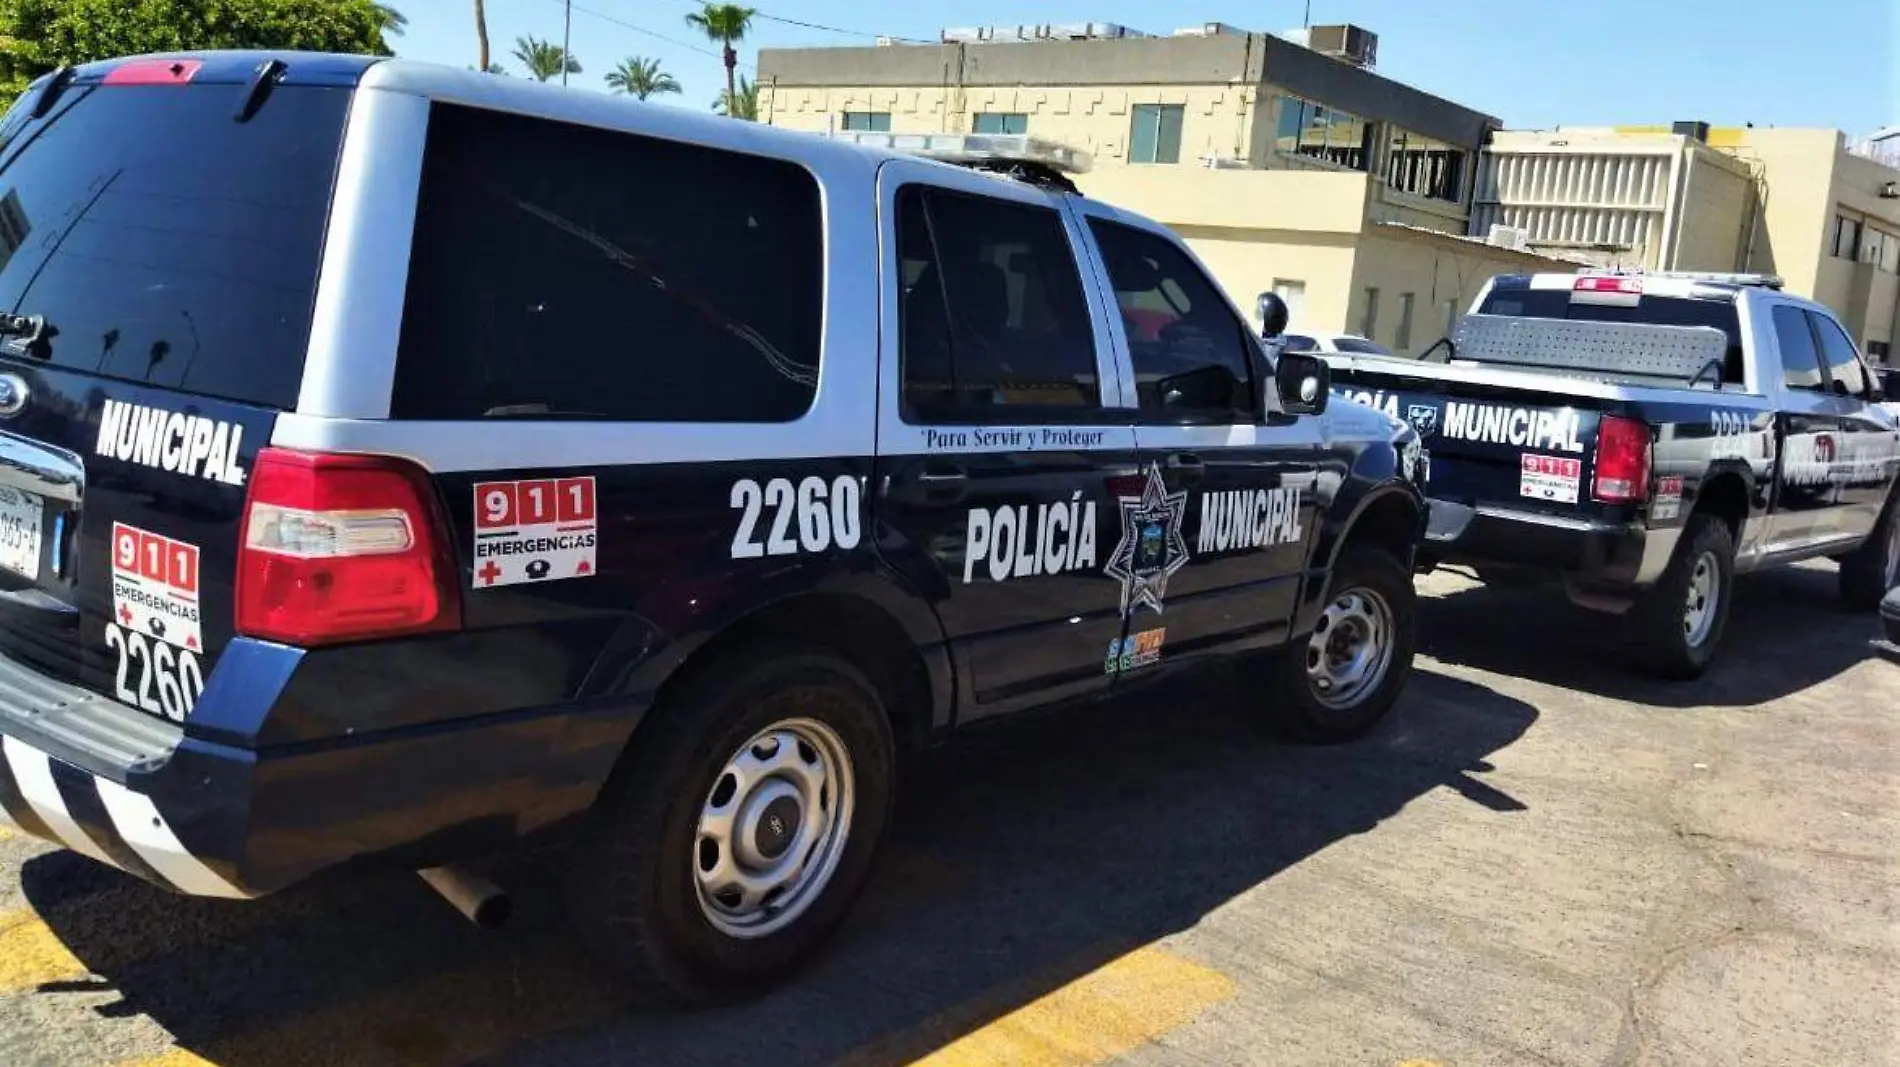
point(534, 530)
point(155, 633)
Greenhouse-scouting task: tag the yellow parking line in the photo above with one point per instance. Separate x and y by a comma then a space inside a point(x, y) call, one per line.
point(1110, 1011)
point(6, 833)
point(177, 1057)
point(32, 955)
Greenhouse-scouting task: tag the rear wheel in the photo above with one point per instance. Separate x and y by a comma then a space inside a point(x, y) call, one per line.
point(736, 836)
point(1678, 624)
point(1873, 568)
point(1339, 682)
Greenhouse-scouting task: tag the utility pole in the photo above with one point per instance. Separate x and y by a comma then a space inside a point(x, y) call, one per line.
point(1307, 20)
point(567, 35)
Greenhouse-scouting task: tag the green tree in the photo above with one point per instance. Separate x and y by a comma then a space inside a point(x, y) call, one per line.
point(746, 101)
point(544, 59)
point(640, 77)
point(394, 22)
point(727, 24)
point(40, 35)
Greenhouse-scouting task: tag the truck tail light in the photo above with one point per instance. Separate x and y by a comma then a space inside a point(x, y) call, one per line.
point(341, 548)
point(1622, 460)
point(1607, 289)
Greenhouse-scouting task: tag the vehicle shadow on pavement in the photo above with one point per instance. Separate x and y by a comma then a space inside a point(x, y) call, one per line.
point(1025, 857)
point(1787, 631)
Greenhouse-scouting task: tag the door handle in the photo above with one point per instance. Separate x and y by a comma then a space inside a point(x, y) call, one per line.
point(931, 485)
point(1187, 467)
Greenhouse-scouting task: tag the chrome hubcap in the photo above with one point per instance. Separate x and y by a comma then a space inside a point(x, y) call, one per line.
point(773, 828)
point(1351, 649)
point(1705, 595)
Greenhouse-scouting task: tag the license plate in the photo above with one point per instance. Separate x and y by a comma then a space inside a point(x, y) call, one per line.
point(20, 516)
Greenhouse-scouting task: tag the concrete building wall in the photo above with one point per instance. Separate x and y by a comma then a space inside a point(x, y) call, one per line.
point(1439, 273)
point(1717, 206)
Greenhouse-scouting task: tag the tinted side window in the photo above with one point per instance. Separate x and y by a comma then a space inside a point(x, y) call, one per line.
point(1191, 355)
point(991, 314)
point(562, 271)
point(168, 244)
point(1800, 363)
point(1298, 342)
point(1843, 362)
point(1354, 344)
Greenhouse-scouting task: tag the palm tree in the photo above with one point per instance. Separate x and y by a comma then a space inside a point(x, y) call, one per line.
point(640, 77)
point(726, 24)
point(391, 21)
point(544, 59)
point(481, 39)
point(746, 101)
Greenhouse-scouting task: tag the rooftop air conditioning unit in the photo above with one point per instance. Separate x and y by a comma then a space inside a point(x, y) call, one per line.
point(1208, 29)
point(966, 34)
point(1516, 238)
point(1346, 43)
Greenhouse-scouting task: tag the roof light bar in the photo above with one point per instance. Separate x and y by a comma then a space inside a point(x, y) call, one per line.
point(967, 148)
point(1767, 281)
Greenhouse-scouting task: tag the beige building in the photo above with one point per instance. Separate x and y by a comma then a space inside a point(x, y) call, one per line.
point(1284, 168)
point(1793, 202)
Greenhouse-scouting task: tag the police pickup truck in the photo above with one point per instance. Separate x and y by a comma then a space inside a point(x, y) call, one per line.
point(402, 465)
point(1646, 438)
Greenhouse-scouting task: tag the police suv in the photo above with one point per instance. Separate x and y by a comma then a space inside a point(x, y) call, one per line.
point(1645, 437)
point(405, 465)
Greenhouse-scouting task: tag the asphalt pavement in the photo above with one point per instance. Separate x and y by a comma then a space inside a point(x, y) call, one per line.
point(1542, 859)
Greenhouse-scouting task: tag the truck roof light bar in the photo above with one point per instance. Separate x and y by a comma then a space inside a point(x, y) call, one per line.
point(1015, 155)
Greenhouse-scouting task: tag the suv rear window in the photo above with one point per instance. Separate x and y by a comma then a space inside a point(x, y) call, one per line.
point(166, 242)
point(1654, 310)
point(563, 271)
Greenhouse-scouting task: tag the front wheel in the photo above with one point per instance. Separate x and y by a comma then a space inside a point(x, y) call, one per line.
point(741, 827)
point(1339, 682)
point(1873, 568)
point(1678, 624)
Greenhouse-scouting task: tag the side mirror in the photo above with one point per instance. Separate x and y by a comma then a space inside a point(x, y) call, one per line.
point(1273, 315)
point(1304, 383)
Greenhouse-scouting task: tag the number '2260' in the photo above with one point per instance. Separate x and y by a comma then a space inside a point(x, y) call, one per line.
point(826, 514)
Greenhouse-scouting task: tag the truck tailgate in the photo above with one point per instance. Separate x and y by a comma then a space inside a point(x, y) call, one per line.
point(1520, 441)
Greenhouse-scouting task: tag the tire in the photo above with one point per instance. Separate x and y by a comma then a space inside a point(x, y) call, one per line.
point(1368, 595)
point(1676, 638)
point(635, 889)
point(1873, 568)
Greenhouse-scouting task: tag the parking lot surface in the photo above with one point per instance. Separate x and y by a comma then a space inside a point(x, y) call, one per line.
point(1543, 859)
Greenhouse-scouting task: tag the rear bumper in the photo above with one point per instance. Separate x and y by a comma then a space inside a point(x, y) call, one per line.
point(1589, 553)
point(211, 819)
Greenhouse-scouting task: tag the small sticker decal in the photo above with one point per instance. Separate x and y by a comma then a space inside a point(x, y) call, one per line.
point(155, 586)
point(1667, 500)
point(1555, 478)
point(1135, 651)
point(534, 530)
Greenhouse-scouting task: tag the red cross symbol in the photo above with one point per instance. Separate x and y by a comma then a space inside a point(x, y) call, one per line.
point(191, 642)
point(582, 567)
point(125, 615)
point(488, 573)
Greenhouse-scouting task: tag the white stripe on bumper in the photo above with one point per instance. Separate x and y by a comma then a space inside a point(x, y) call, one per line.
point(34, 773)
point(143, 829)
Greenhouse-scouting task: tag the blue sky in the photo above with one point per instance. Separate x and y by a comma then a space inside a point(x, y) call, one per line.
point(1532, 63)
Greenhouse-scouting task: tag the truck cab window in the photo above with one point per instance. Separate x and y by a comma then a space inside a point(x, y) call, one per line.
point(1800, 361)
point(990, 313)
point(1191, 354)
point(1843, 362)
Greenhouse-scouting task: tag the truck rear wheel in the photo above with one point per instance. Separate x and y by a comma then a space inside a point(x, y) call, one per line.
point(1678, 624)
point(739, 831)
point(1873, 568)
point(1339, 682)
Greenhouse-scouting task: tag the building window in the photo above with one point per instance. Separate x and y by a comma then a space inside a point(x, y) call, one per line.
point(1002, 122)
point(1320, 132)
point(1879, 248)
point(868, 121)
point(1846, 237)
point(1425, 167)
point(1404, 338)
point(1156, 134)
point(1369, 322)
point(1448, 310)
point(1879, 351)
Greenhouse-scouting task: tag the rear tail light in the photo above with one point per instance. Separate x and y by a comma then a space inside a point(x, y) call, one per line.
point(341, 548)
point(154, 72)
point(1622, 462)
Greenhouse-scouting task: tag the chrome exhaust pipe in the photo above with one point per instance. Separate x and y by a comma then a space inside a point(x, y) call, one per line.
point(480, 901)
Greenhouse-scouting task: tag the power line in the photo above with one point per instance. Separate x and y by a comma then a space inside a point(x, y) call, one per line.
point(816, 25)
point(625, 25)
